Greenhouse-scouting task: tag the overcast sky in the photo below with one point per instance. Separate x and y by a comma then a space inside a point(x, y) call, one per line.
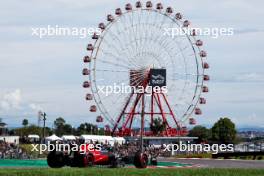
point(46, 73)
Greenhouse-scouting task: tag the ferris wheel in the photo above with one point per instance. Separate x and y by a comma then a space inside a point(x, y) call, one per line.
point(133, 45)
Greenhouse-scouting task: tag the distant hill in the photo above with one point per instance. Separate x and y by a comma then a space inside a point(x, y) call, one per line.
point(260, 129)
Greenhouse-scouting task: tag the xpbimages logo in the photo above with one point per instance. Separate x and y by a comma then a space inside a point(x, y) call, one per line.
point(49, 147)
point(211, 32)
point(49, 31)
point(188, 147)
point(126, 89)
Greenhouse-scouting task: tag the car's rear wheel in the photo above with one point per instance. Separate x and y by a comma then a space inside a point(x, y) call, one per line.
point(154, 161)
point(140, 160)
point(90, 160)
point(79, 160)
point(56, 159)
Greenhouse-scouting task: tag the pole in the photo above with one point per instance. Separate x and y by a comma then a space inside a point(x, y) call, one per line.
point(44, 124)
point(142, 123)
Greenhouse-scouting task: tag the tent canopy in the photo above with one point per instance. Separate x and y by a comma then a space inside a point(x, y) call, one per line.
point(104, 139)
point(96, 137)
point(53, 138)
point(33, 136)
point(68, 137)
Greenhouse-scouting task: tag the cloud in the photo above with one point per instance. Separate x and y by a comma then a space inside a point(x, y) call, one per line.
point(11, 100)
point(246, 31)
point(35, 107)
point(250, 77)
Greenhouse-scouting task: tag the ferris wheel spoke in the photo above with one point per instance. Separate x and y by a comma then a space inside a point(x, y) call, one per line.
point(112, 63)
point(111, 53)
point(186, 74)
point(127, 34)
point(145, 32)
point(137, 80)
point(181, 51)
point(164, 41)
point(144, 51)
point(105, 70)
point(138, 54)
point(172, 48)
point(133, 31)
point(159, 50)
point(119, 59)
point(122, 32)
point(128, 52)
point(138, 31)
point(114, 38)
point(163, 21)
point(161, 36)
point(125, 54)
point(151, 29)
point(122, 44)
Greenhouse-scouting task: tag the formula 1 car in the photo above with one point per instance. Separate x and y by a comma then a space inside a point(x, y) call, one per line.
point(58, 159)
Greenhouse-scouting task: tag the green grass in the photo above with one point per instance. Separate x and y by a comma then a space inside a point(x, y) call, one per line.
point(130, 172)
point(28, 149)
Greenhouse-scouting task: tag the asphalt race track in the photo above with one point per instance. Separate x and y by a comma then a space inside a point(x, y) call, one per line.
point(218, 163)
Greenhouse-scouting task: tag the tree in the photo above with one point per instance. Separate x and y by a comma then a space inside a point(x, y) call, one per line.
point(224, 131)
point(201, 132)
point(158, 126)
point(31, 129)
point(25, 122)
point(59, 122)
point(87, 128)
point(67, 129)
point(59, 126)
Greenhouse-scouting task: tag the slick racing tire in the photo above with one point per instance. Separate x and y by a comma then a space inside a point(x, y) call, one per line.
point(80, 160)
point(90, 160)
point(56, 159)
point(140, 160)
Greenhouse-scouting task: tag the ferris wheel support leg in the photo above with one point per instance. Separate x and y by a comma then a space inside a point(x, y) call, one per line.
point(171, 112)
point(132, 112)
point(152, 108)
point(122, 113)
point(157, 98)
point(142, 123)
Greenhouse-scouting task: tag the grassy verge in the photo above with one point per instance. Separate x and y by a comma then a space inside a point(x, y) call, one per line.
point(28, 149)
point(131, 172)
